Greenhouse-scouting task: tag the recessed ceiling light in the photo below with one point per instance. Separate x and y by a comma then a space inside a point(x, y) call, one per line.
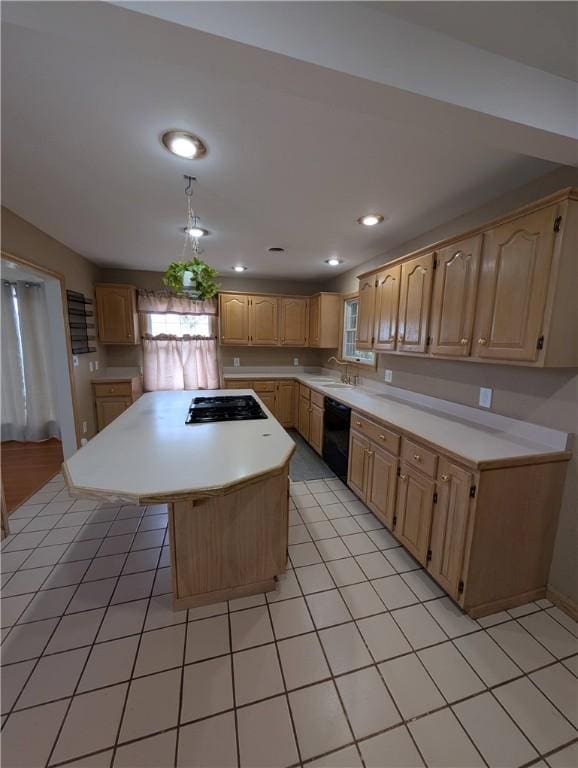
point(334, 262)
point(196, 231)
point(184, 144)
point(240, 268)
point(276, 249)
point(370, 219)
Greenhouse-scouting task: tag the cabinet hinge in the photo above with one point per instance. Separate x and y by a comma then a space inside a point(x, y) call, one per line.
point(398, 471)
point(373, 339)
point(557, 223)
point(435, 498)
point(473, 492)
point(540, 343)
point(460, 587)
point(376, 282)
point(428, 341)
point(435, 264)
point(394, 520)
point(428, 555)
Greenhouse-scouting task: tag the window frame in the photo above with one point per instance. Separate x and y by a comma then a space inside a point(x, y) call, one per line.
point(356, 361)
point(148, 329)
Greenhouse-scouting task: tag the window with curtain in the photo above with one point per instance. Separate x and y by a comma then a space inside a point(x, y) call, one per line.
point(349, 351)
point(179, 342)
point(28, 393)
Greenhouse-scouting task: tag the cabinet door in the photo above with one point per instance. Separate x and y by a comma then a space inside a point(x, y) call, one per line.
point(413, 511)
point(366, 312)
point(386, 308)
point(303, 418)
point(234, 318)
point(381, 484)
point(108, 408)
point(357, 466)
point(314, 321)
point(294, 321)
point(514, 279)
point(449, 526)
point(454, 298)
point(316, 428)
point(269, 399)
point(414, 303)
point(264, 320)
point(116, 314)
point(285, 407)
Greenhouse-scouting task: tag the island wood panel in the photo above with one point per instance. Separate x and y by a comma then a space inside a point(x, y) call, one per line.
point(414, 303)
point(454, 297)
point(386, 308)
point(229, 544)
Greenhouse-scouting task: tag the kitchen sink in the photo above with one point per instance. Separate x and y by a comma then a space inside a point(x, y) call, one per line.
point(338, 386)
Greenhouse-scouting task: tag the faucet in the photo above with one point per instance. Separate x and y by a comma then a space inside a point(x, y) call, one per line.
point(345, 377)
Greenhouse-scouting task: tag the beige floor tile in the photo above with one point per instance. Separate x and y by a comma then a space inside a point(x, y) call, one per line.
point(551, 634)
point(359, 544)
point(251, 601)
point(109, 663)
point(394, 749)
point(53, 678)
point(160, 649)
point(209, 637)
point(133, 586)
point(266, 737)
point(98, 760)
point(572, 664)
point(142, 560)
point(332, 549)
point(161, 614)
point(345, 648)
point(290, 617)
point(383, 637)
point(412, 688)
point(257, 674)
point(520, 646)
point(210, 743)
point(287, 587)
point(314, 578)
point(443, 742)
point(374, 565)
point(335, 511)
point(451, 619)
point(105, 567)
point(207, 688)
point(487, 658)
point(154, 752)
point(91, 724)
point(305, 500)
point(422, 585)
point(328, 608)
point(345, 572)
point(124, 619)
point(13, 608)
point(27, 641)
point(65, 574)
point(534, 714)
point(152, 705)
point(304, 554)
point(251, 627)
point(321, 530)
point(362, 600)
point(319, 720)
point(28, 736)
point(302, 660)
point(383, 539)
point(451, 673)
point(495, 735)
point(560, 686)
point(346, 525)
point(298, 534)
point(401, 560)
point(23, 582)
point(394, 592)
point(48, 604)
point(494, 618)
point(564, 619)
point(369, 706)
point(206, 611)
point(92, 594)
point(565, 758)
point(12, 680)
point(418, 626)
point(342, 758)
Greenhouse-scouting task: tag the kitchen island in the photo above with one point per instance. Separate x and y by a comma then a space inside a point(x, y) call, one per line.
point(225, 484)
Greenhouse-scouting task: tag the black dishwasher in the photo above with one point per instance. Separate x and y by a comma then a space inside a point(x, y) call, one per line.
point(336, 421)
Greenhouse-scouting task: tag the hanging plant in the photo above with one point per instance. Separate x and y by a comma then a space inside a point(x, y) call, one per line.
point(192, 278)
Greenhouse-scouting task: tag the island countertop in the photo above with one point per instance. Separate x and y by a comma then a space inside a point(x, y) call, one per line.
point(149, 454)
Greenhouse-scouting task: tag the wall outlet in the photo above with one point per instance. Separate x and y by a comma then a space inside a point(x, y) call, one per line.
point(236, 362)
point(295, 361)
point(96, 365)
point(91, 366)
point(83, 441)
point(75, 361)
point(84, 427)
point(388, 375)
point(485, 397)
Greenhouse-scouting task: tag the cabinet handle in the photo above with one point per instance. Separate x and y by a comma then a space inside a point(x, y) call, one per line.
point(482, 341)
point(403, 477)
point(463, 342)
point(381, 437)
point(111, 389)
point(400, 338)
point(357, 423)
point(445, 478)
point(416, 457)
point(370, 453)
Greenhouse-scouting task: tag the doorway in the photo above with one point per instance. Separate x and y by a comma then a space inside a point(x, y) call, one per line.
point(38, 424)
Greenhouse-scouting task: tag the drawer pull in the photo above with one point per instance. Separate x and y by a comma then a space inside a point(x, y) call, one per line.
point(445, 478)
point(416, 457)
point(111, 389)
point(381, 437)
point(482, 341)
point(357, 423)
point(403, 477)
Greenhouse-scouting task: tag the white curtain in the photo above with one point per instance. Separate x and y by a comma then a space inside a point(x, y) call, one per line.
point(28, 395)
point(178, 362)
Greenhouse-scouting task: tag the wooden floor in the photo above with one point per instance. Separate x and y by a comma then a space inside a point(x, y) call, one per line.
point(26, 467)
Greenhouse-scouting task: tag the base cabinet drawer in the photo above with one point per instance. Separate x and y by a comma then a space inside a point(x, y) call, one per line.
point(110, 390)
point(417, 456)
point(381, 435)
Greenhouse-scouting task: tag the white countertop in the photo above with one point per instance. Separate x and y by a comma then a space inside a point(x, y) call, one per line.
point(149, 451)
point(116, 374)
point(479, 445)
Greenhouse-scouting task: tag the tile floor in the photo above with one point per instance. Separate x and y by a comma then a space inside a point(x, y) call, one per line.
point(358, 659)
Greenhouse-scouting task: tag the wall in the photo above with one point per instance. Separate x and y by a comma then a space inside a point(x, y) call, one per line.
point(20, 238)
point(546, 397)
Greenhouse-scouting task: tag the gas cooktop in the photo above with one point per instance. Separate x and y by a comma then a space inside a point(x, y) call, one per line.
point(224, 408)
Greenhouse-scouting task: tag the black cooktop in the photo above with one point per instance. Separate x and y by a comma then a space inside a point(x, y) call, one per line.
point(224, 408)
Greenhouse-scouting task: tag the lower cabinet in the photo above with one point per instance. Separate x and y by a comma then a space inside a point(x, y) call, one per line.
point(108, 408)
point(111, 398)
point(372, 475)
point(278, 396)
point(413, 512)
point(303, 417)
point(316, 428)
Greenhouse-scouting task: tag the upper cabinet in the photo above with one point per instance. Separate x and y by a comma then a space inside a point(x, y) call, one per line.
point(454, 297)
point(263, 320)
point(324, 317)
point(503, 293)
point(414, 302)
point(116, 313)
point(234, 318)
point(294, 321)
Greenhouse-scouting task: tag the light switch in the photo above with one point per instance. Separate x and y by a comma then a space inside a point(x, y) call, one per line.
point(295, 361)
point(388, 375)
point(75, 361)
point(91, 366)
point(84, 427)
point(83, 441)
point(485, 397)
point(236, 362)
point(96, 365)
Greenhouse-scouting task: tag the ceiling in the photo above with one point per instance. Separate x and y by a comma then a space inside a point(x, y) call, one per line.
point(296, 152)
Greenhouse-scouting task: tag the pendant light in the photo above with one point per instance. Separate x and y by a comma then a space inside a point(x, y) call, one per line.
point(193, 229)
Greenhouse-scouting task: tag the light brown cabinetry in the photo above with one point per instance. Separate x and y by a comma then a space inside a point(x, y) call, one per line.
point(316, 428)
point(294, 321)
point(413, 512)
point(366, 312)
point(234, 318)
point(263, 320)
point(116, 313)
point(303, 417)
point(324, 318)
point(414, 303)
point(278, 396)
point(386, 308)
point(113, 396)
point(454, 298)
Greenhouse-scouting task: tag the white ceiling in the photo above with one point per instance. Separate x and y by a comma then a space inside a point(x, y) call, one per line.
point(296, 152)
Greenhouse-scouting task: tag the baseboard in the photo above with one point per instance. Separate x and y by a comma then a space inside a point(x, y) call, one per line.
point(563, 602)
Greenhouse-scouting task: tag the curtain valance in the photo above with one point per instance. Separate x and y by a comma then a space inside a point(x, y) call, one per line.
point(159, 302)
